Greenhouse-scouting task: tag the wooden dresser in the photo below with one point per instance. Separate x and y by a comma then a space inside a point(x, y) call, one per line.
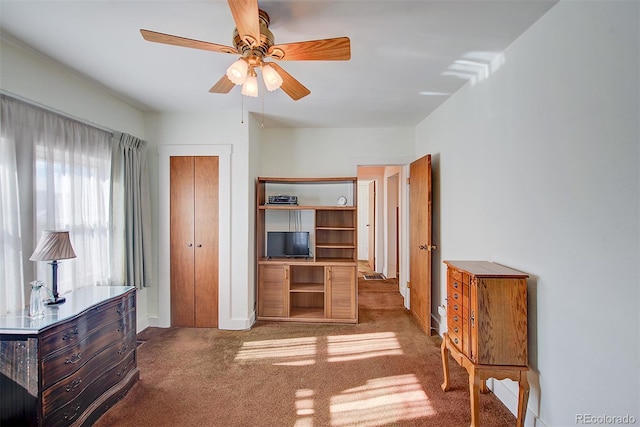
point(487, 328)
point(68, 367)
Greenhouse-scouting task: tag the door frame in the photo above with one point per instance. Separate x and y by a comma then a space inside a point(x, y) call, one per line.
point(165, 152)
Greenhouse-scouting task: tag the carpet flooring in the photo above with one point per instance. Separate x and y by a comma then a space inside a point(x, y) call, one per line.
point(384, 371)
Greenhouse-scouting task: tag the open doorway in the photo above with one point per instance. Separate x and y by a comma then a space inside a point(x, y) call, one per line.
point(379, 220)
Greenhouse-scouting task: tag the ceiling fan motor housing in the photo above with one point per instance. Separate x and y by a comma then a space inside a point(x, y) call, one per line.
point(255, 52)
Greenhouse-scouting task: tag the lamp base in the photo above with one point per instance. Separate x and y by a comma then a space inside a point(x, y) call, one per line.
point(55, 301)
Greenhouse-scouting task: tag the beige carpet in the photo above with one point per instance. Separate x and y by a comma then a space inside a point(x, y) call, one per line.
point(381, 372)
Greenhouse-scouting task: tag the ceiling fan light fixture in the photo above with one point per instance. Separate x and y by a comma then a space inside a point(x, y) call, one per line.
point(250, 86)
point(237, 72)
point(272, 80)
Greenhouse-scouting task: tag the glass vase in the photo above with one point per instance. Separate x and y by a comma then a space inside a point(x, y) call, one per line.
point(36, 305)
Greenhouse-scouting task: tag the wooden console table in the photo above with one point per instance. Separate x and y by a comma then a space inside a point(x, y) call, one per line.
point(68, 367)
point(487, 328)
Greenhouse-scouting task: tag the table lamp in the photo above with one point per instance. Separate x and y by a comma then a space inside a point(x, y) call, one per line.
point(53, 246)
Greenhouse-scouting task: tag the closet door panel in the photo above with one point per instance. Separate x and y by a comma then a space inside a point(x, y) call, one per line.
point(206, 242)
point(182, 243)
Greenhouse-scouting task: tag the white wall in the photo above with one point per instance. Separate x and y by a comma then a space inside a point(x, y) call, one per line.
point(332, 152)
point(538, 169)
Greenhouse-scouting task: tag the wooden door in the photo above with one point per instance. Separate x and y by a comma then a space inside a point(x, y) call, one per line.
point(194, 241)
point(420, 241)
point(182, 222)
point(206, 241)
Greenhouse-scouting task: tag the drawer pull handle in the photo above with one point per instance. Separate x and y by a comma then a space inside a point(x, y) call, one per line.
point(73, 359)
point(455, 285)
point(455, 318)
point(455, 340)
point(68, 416)
point(123, 370)
point(70, 335)
point(74, 385)
point(472, 318)
point(455, 329)
point(123, 349)
point(455, 296)
point(455, 307)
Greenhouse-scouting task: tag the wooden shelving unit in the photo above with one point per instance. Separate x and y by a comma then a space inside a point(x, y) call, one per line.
point(323, 287)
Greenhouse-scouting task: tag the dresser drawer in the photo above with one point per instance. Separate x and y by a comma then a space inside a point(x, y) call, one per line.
point(70, 358)
point(70, 410)
point(73, 385)
point(77, 329)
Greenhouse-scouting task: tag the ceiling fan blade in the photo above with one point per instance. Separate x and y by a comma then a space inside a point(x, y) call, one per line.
point(336, 49)
point(290, 85)
point(224, 85)
point(153, 36)
point(245, 15)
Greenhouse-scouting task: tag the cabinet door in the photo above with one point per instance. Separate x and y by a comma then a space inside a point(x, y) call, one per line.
point(341, 285)
point(273, 291)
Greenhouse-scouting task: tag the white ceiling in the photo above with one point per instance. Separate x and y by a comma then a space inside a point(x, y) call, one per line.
point(407, 57)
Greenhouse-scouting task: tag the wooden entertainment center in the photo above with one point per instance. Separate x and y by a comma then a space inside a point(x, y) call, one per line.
point(322, 287)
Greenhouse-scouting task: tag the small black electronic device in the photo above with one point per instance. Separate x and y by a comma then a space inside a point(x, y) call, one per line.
point(282, 199)
point(287, 244)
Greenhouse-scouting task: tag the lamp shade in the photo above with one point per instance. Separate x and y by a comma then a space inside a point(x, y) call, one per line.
point(272, 79)
point(53, 245)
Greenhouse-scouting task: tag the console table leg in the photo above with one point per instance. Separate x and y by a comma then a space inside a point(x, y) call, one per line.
point(523, 398)
point(474, 390)
point(445, 362)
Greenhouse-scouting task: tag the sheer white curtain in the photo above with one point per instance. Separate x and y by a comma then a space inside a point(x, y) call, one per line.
point(11, 276)
point(67, 181)
point(72, 166)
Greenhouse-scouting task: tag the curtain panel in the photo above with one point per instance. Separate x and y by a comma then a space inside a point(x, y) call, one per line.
point(131, 220)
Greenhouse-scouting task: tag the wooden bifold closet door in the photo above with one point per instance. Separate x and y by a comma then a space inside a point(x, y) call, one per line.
point(194, 241)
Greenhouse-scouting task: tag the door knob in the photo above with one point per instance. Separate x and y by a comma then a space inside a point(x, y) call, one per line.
point(431, 248)
point(199, 245)
point(189, 245)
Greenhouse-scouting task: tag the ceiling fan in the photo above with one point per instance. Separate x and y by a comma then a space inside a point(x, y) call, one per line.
point(255, 42)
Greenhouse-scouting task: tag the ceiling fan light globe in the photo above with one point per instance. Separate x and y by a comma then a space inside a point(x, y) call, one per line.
point(272, 80)
point(250, 86)
point(237, 72)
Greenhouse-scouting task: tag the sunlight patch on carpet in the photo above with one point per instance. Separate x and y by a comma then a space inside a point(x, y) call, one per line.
point(381, 401)
point(291, 351)
point(344, 348)
point(375, 276)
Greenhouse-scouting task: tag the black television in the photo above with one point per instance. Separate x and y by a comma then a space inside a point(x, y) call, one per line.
point(287, 244)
